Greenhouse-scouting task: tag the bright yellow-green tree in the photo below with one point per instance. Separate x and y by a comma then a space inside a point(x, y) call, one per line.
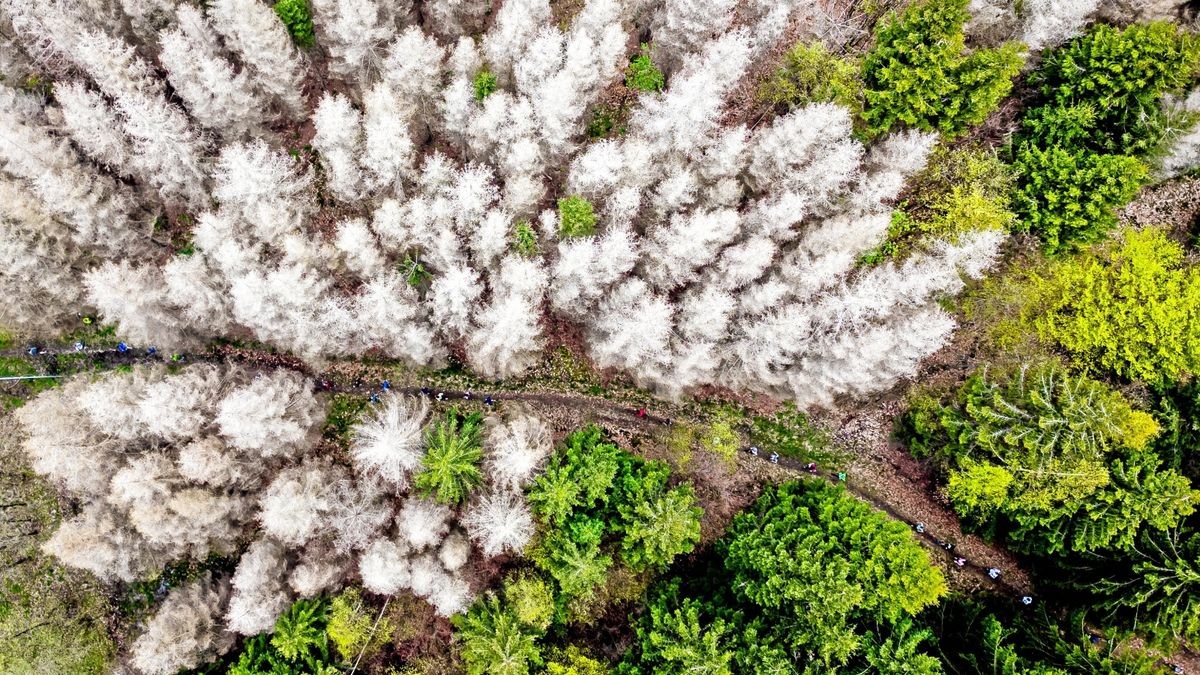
point(1131, 307)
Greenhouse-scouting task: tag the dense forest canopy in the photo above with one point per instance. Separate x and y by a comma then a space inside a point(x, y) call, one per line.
point(599, 336)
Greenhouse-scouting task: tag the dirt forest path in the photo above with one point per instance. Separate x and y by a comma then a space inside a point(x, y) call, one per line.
point(878, 473)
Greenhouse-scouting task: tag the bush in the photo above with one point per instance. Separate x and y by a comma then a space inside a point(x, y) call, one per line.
point(1119, 75)
point(960, 190)
point(454, 449)
point(921, 429)
point(919, 73)
point(810, 74)
point(576, 217)
point(484, 84)
point(1068, 198)
point(1131, 307)
point(679, 439)
point(642, 75)
point(524, 239)
point(350, 626)
point(719, 438)
point(1098, 111)
point(297, 17)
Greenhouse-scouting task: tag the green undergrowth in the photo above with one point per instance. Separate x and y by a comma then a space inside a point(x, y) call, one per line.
point(642, 74)
point(15, 366)
point(52, 620)
point(576, 217)
point(808, 74)
point(352, 627)
point(138, 599)
point(791, 433)
point(560, 370)
point(608, 121)
point(345, 410)
point(297, 18)
point(524, 239)
point(93, 334)
point(960, 190)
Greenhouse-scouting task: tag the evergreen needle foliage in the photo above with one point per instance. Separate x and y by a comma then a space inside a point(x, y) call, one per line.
point(809, 73)
point(484, 85)
point(524, 239)
point(350, 626)
point(919, 73)
point(1078, 154)
point(1157, 589)
point(1132, 307)
point(495, 642)
point(297, 644)
point(454, 448)
point(960, 190)
point(809, 579)
point(297, 17)
point(642, 75)
point(1055, 462)
point(301, 629)
point(576, 217)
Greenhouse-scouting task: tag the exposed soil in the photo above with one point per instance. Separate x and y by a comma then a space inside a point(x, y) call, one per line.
point(1175, 204)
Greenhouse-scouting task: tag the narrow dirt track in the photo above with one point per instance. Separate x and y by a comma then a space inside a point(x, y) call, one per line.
point(855, 480)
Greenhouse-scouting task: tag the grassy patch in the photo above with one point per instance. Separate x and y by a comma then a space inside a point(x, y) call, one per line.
point(344, 412)
point(565, 366)
point(17, 392)
point(51, 619)
point(15, 366)
point(92, 334)
point(790, 433)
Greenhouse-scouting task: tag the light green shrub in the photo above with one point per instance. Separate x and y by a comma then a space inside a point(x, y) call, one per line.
point(919, 73)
